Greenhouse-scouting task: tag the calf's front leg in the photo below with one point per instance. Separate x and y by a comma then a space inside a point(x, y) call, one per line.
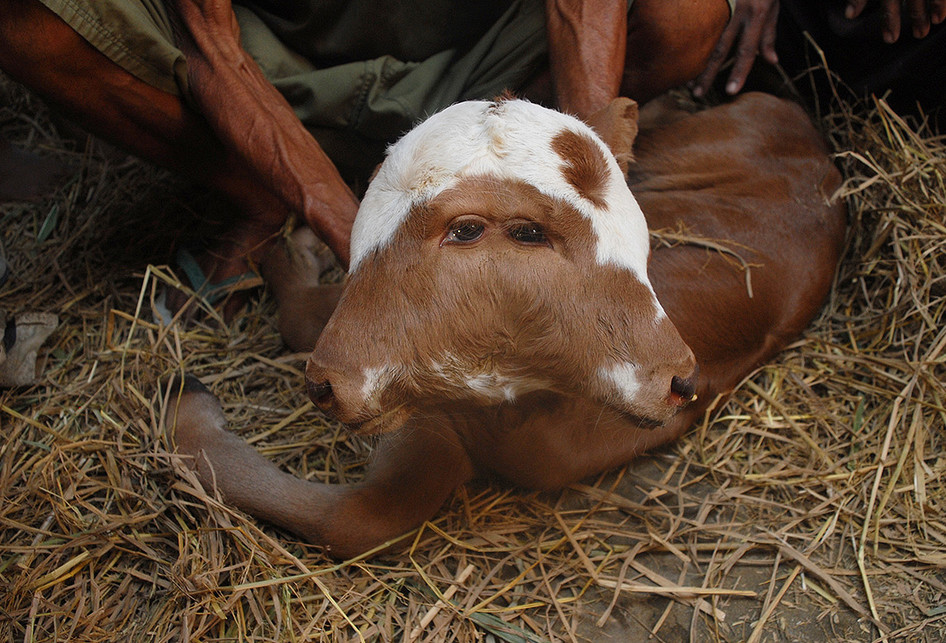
point(411, 474)
point(292, 270)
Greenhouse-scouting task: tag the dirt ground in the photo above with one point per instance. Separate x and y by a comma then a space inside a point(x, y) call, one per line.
point(803, 615)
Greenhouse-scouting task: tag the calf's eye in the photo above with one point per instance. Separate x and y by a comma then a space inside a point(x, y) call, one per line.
point(464, 232)
point(529, 234)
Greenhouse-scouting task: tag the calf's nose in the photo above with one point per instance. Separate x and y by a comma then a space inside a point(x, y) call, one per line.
point(320, 393)
point(335, 392)
point(683, 379)
point(682, 390)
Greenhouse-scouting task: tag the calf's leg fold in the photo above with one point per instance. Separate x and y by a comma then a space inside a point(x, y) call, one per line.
point(407, 481)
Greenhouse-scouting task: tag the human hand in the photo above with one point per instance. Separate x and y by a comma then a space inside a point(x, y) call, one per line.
point(753, 23)
point(920, 14)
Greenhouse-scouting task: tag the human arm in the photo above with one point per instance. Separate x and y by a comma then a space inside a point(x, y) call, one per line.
point(587, 40)
point(254, 121)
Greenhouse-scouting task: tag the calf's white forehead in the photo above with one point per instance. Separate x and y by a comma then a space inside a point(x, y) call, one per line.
point(508, 140)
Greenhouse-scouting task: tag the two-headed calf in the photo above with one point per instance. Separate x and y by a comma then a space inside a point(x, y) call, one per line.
point(498, 318)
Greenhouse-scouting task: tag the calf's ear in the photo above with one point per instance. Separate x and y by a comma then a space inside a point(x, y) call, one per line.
point(616, 124)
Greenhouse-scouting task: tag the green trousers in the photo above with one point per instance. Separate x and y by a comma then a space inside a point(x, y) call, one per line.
point(353, 105)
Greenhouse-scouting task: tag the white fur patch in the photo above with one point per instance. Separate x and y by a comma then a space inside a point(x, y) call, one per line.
point(488, 385)
point(494, 386)
point(623, 377)
point(510, 139)
point(376, 380)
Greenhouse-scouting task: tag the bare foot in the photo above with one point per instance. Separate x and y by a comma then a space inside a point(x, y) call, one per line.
point(225, 275)
point(25, 176)
point(222, 282)
point(292, 270)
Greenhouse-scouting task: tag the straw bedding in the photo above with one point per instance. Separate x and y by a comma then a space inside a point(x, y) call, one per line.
point(809, 507)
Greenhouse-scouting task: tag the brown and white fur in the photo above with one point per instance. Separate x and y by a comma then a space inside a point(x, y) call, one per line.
point(501, 318)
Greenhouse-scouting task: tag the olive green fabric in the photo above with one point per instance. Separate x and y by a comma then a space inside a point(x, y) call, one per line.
point(358, 73)
point(354, 107)
point(136, 34)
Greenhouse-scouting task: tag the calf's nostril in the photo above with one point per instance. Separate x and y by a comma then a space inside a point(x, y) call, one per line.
point(683, 389)
point(320, 393)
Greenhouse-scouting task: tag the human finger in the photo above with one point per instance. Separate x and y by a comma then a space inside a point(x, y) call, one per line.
point(749, 45)
point(716, 59)
point(937, 11)
point(891, 14)
point(769, 30)
point(854, 8)
point(919, 15)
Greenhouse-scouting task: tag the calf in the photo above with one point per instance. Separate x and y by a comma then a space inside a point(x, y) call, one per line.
point(500, 317)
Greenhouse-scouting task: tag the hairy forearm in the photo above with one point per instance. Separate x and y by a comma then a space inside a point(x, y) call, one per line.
point(255, 122)
point(587, 41)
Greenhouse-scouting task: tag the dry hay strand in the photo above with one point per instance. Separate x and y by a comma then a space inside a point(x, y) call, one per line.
point(810, 506)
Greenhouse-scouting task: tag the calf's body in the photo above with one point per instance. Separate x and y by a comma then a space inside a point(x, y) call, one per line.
point(505, 324)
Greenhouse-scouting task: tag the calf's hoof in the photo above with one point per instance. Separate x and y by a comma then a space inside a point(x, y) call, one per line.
point(193, 414)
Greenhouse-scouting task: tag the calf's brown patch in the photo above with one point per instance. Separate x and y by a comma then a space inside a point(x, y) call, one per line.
point(586, 168)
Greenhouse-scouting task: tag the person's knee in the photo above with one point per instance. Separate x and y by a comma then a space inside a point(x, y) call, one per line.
point(13, 15)
point(33, 40)
point(669, 43)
